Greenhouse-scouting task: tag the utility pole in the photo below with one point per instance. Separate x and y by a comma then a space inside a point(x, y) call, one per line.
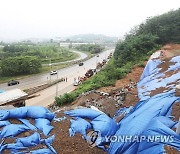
point(50, 68)
point(57, 86)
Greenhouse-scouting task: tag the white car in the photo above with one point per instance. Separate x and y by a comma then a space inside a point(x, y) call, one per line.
point(76, 83)
point(53, 72)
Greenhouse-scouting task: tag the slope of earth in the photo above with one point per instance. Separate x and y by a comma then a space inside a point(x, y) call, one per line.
point(108, 100)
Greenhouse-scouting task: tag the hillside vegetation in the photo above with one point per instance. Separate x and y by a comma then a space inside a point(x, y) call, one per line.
point(136, 48)
point(92, 48)
point(44, 52)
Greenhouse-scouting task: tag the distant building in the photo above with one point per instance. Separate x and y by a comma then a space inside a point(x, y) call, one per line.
point(74, 44)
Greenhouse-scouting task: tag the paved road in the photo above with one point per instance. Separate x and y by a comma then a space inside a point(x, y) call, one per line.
point(40, 79)
point(46, 96)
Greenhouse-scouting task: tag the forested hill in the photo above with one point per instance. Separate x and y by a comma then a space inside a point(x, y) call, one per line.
point(142, 40)
point(97, 38)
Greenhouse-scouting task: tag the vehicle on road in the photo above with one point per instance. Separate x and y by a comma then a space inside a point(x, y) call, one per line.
point(13, 82)
point(81, 64)
point(83, 78)
point(104, 61)
point(53, 72)
point(89, 73)
point(76, 83)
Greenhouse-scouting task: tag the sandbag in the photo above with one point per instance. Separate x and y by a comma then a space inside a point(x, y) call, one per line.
point(100, 121)
point(84, 113)
point(79, 126)
point(12, 130)
point(30, 112)
point(43, 125)
point(42, 151)
point(32, 140)
point(105, 125)
point(4, 123)
point(28, 124)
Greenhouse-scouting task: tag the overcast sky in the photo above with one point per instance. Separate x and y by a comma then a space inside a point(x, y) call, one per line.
point(56, 18)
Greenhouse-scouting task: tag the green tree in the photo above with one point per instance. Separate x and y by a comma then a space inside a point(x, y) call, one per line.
point(20, 65)
point(166, 27)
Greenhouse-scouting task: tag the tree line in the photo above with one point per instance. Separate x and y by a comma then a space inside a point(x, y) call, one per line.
point(92, 48)
point(18, 59)
point(20, 65)
point(144, 39)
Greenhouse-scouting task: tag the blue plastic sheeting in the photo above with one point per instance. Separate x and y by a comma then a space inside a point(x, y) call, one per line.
point(79, 126)
point(100, 121)
point(176, 65)
point(28, 124)
point(151, 79)
point(84, 113)
point(13, 130)
point(164, 129)
point(151, 68)
point(42, 117)
point(4, 123)
point(122, 111)
point(43, 125)
point(39, 151)
point(43, 151)
point(25, 142)
point(31, 140)
point(139, 119)
point(23, 112)
point(148, 119)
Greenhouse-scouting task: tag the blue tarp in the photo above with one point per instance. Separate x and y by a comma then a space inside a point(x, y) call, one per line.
point(24, 112)
point(85, 125)
point(13, 130)
point(151, 79)
point(42, 117)
point(25, 142)
point(99, 120)
point(147, 126)
point(139, 119)
point(43, 125)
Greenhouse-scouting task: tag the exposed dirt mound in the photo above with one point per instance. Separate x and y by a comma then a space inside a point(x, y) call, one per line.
point(65, 144)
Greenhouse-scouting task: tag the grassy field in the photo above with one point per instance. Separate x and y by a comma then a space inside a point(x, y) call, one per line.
point(63, 56)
